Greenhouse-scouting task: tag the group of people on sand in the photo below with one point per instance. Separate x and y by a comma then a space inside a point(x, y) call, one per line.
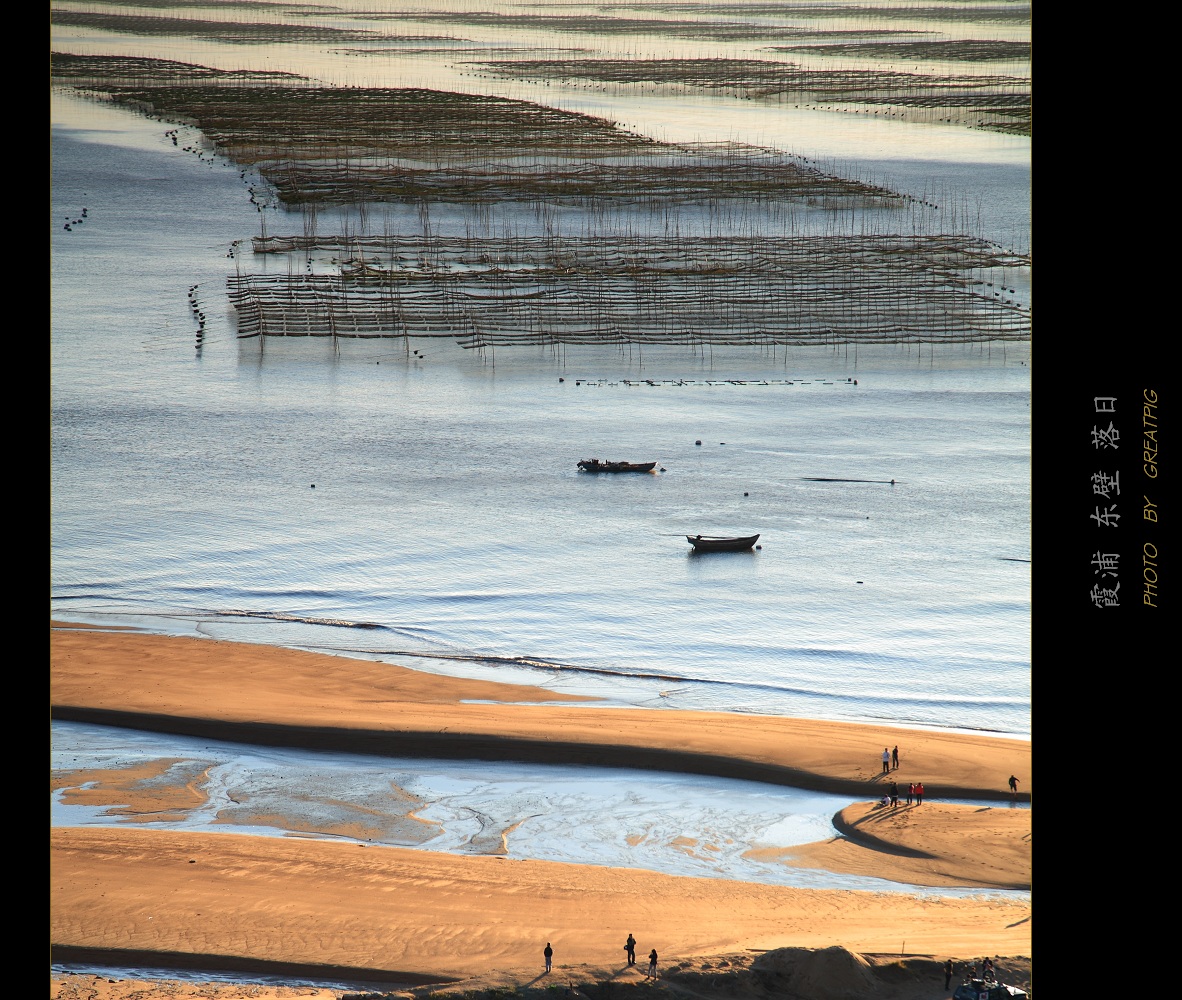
point(971, 972)
point(914, 794)
point(890, 762)
point(629, 947)
point(982, 970)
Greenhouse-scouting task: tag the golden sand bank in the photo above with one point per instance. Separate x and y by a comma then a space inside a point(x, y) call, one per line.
point(388, 915)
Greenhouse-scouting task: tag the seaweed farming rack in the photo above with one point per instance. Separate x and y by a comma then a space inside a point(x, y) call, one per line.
point(485, 292)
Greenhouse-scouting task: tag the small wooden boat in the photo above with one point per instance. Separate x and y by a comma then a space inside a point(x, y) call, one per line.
point(595, 465)
point(721, 543)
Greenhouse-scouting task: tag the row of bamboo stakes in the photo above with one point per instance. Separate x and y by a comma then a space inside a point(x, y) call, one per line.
point(488, 292)
point(321, 147)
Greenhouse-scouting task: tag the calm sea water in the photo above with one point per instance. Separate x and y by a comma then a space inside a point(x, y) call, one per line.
point(429, 512)
point(426, 509)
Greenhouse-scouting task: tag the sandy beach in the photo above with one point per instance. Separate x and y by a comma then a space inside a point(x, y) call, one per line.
point(411, 920)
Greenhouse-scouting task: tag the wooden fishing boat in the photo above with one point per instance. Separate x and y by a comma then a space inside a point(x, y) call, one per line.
point(721, 543)
point(595, 465)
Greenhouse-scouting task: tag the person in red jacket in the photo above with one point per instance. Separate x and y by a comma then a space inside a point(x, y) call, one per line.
point(919, 793)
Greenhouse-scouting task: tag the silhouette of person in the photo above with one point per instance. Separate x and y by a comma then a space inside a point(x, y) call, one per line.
point(549, 953)
point(895, 759)
point(1013, 785)
point(894, 793)
point(947, 973)
point(630, 948)
point(652, 964)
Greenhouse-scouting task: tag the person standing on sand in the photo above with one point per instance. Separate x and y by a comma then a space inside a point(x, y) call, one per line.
point(947, 973)
point(1013, 787)
point(886, 760)
point(895, 759)
point(652, 964)
point(630, 948)
point(894, 794)
point(549, 953)
point(919, 793)
point(910, 792)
